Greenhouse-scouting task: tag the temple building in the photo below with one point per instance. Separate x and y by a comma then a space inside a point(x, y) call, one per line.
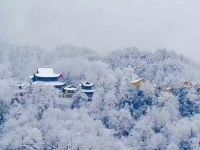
point(140, 83)
point(46, 76)
point(188, 84)
point(88, 89)
point(69, 91)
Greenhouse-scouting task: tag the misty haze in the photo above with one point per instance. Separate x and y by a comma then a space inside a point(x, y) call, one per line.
point(99, 75)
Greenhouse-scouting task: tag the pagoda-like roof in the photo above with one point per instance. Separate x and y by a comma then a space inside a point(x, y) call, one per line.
point(88, 84)
point(70, 87)
point(46, 72)
point(139, 80)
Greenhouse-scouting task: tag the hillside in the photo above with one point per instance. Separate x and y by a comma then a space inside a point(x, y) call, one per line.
point(119, 117)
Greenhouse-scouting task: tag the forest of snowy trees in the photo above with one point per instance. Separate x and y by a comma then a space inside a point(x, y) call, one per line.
point(120, 117)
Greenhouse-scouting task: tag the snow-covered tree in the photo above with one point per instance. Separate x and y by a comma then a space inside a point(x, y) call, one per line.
point(119, 116)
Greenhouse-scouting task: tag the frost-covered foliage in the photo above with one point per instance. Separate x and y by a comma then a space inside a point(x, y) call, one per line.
point(119, 117)
point(161, 67)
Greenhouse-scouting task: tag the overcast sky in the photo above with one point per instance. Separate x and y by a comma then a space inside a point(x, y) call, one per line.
point(103, 25)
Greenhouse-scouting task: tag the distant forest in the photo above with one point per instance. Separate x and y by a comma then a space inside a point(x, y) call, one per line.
point(119, 117)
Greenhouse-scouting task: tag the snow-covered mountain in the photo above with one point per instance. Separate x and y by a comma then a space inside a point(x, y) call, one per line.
point(119, 117)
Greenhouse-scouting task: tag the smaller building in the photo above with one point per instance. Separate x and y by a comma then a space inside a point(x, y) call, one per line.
point(188, 84)
point(88, 89)
point(140, 83)
point(69, 91)
point(169, 89)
